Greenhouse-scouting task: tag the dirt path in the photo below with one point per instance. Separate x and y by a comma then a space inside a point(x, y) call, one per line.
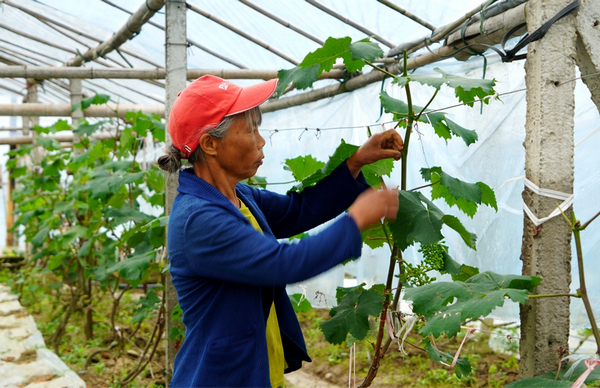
point(301, 379)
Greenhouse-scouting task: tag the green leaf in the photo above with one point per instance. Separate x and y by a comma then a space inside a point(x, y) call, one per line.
point(469, 238)
point(145, 306)
point(462, 366)
point(442, 125)
point(85, 129)
point(351, 315)
point(48, 143)
point(300, 303)
point(447, 305)
point(332, 49)
point(450, 266)
point(466, 272)
point(343, 152)
point(303, 166)
point(488, 197)
point(134, 267)
point(365, 50)
point(436, 82)
point(60, 125)
point(467, 90)
point(551, 380)
point(374, 236)
point(303, 78)
point(469, 136)
point(418, 220)
point(125, 214)
point(465, 196)
point(40, 237)
point(98, 99)
point(374, 171)
point(540, 382)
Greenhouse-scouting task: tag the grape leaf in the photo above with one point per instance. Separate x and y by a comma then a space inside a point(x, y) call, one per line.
point(303, 78)
point(374, 236)
point(323, 59)
point(467, 90)
point(303, 166)
point(447, 305)
point(300, 303)
point(418, 219)
point(550, 380)
point(351, 315)
point(97, 99)
point(452, 222)
point(465, 196)
point(335, 48)
point(442, 125)
point(462, 366)
point(365, 50)
point(540, 382)
point(372, 172)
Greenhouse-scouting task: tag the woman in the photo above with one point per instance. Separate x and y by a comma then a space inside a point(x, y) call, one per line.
point(227, 266)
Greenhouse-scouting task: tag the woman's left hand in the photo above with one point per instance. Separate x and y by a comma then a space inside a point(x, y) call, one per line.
point(385, 145)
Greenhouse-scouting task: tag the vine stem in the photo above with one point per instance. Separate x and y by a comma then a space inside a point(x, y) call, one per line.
point(582, 287)
point(384, 71)
point(552, 295)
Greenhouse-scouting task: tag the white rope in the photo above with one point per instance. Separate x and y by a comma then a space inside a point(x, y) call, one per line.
point(567, 202)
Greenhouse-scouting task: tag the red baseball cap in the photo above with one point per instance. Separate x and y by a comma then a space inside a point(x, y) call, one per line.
point(204, 103)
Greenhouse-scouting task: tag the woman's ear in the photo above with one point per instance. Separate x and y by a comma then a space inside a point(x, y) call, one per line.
point(208, 144)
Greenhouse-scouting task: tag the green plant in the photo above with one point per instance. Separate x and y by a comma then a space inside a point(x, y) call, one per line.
point(82, 212)
point(419, 220)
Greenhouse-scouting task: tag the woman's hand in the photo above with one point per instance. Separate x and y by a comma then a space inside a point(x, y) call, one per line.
point(385, 145)
point(371, 206)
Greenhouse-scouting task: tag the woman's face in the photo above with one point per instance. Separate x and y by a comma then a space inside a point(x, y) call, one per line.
point(240, 153)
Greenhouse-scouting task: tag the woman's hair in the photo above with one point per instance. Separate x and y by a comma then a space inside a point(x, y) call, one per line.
point(171, 161)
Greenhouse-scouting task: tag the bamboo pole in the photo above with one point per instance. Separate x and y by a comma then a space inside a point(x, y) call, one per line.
point(39, 72)
point(11, 129)
point(351, 23)
point(47, 42)
point(193, 43)
point(282, 22)
point(32, 51)
point(76, 31)
point(242, 33)
point(15, 91)
point(132, 27)
point(64, 110)
point(437, 35)
point(407, 14)
point(498, 24)
point(61, 138)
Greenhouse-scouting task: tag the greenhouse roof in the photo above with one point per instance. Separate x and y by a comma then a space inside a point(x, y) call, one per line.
point(227, 34)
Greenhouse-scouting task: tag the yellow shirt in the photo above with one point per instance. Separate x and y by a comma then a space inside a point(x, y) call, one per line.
point(277, 362)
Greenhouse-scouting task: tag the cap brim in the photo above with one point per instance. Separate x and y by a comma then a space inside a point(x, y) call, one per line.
point(252, 96)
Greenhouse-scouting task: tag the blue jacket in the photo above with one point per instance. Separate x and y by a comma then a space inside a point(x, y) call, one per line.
point(227, 274)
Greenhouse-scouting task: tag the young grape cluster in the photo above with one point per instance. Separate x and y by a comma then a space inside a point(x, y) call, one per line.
point(433, 260)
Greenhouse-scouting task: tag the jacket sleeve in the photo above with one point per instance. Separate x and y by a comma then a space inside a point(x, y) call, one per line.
point(294, 213)
point(220, 245)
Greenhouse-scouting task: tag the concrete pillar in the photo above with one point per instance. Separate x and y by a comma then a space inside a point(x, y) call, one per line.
point(546, 251)
point(176, 66)
point(588, 46)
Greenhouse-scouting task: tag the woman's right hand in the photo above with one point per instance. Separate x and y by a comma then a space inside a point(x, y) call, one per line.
point(373, 205)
